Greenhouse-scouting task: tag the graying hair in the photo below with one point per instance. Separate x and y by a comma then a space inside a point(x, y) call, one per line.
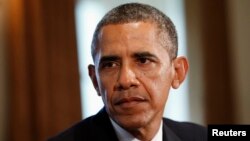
point(136, 12)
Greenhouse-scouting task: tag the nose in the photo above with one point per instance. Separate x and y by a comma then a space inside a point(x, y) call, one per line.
point(127, 79)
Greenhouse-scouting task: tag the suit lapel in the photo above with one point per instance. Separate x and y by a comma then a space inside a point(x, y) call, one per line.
point(105, 128)
point(168, 134)
point(99, 129)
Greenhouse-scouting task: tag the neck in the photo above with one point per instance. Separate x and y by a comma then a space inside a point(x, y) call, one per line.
point(146, 133)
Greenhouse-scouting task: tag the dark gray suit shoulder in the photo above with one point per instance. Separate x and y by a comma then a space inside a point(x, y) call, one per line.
point(70, 134)
point(186, 131)
point(94, 128)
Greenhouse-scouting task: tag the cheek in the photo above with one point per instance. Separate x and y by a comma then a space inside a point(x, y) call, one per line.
point(157, 83)
point(106, 85)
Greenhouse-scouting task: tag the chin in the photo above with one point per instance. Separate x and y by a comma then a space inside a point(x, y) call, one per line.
point(132, 122)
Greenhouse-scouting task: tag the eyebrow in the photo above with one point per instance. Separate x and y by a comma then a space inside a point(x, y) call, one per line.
point(109, 58)
point(144, 54)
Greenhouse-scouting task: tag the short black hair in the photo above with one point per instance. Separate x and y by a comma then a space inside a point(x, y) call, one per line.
point(137, 12)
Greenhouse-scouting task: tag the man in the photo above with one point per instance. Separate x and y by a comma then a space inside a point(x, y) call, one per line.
point(134, 49)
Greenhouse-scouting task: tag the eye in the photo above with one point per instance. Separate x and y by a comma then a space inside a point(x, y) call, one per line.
point(144, 60)
point(109, 65)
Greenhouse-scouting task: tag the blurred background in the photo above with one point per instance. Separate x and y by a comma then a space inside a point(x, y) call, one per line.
point(45, 48)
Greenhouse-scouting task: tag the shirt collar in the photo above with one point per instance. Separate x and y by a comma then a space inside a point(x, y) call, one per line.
point(124, 135)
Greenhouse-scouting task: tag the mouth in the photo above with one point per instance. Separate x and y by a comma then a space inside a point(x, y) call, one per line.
point(129, 102)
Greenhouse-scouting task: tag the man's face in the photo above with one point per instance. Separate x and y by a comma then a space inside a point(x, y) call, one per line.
point(133, 73)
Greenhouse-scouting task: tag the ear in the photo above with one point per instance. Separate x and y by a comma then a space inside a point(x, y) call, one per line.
point(92, 76)
point(180, 71)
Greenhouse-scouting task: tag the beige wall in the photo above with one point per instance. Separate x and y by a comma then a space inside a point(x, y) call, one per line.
point(239, 19)
point(196, 87)
point(239, 40)
point(3, 7)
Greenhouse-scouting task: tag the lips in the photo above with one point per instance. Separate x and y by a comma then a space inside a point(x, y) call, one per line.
point(130, 101)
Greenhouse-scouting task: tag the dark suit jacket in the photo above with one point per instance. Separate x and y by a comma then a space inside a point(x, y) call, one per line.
point(99, 128)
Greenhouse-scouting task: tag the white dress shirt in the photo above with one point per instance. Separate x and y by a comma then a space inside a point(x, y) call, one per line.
point(124, 135)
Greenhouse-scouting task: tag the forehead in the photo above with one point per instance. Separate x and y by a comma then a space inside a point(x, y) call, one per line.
point(130, 30)
point(129, 38)
point(134, 34)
